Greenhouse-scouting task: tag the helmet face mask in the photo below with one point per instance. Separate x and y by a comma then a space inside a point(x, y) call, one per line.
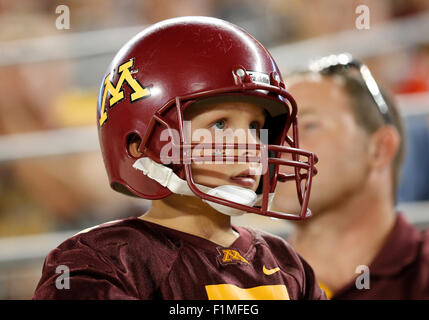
point(149, 87)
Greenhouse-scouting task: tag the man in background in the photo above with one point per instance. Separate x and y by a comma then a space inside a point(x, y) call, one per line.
point(358, 245)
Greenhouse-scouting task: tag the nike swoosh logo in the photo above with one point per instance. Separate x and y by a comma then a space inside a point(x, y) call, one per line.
point(269, 272)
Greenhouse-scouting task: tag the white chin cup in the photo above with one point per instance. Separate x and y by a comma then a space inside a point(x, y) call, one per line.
point(167, 178)
point(232, 193)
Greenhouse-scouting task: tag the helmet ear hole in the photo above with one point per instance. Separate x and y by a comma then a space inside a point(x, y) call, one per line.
point(133, 145)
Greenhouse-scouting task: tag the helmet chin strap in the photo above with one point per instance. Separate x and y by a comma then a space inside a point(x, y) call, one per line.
point(167, 178)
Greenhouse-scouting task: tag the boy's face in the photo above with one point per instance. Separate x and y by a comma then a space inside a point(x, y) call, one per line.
point(328, 128)
point(230, 120)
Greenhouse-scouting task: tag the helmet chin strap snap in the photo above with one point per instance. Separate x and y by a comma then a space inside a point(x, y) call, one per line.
point(167, 178)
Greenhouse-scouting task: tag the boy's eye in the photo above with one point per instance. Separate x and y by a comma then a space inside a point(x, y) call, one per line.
point(220, 124)
point(255, 125)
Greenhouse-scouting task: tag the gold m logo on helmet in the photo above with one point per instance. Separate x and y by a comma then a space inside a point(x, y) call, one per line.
point(117, 92)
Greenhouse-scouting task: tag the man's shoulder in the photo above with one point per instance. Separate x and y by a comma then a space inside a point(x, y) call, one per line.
point(424, 251)
point(419, 246)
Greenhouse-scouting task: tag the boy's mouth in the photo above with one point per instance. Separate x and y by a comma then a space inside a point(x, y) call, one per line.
point(244, 178)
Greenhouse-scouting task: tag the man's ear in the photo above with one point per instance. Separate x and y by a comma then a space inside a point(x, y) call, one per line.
point(384, 144)
point(133, 145)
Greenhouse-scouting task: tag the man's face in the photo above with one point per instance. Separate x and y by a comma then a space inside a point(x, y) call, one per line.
point(328, 128)
point(231, 120)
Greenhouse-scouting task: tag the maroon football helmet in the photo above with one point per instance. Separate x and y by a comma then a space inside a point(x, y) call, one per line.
point(167, 67)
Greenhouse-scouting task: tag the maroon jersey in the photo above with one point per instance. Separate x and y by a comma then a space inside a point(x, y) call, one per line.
point(136, 259)
point(401, 268)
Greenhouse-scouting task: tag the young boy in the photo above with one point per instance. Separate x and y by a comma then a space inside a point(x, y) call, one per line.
point(168, 92)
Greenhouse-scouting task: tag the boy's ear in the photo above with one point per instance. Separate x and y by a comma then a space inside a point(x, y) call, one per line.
point(384, 146)
point(133, 145)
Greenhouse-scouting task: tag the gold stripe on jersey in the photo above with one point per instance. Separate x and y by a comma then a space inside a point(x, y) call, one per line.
point(232, 292)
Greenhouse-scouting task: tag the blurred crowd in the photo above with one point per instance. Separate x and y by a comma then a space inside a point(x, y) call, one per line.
point(71, 191)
